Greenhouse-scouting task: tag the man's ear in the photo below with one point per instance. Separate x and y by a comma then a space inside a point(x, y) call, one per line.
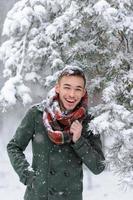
point(57, 88)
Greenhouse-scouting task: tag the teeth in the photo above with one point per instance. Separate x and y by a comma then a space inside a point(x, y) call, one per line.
point(70, 101)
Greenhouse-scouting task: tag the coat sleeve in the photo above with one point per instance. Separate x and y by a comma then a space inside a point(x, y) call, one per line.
point(18, 144)
point(89, 149)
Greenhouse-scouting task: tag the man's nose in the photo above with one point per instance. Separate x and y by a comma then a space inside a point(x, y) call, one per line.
point(71, 93)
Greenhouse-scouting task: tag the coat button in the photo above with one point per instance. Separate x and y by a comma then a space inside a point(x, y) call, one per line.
point(52, 172)
point(66, 173)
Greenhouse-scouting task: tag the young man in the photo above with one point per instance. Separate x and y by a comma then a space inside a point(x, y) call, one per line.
point(61, 142)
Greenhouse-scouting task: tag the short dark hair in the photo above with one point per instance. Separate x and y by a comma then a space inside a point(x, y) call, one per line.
point(72, 71)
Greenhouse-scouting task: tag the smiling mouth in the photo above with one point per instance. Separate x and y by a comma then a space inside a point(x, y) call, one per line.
point(69, 101)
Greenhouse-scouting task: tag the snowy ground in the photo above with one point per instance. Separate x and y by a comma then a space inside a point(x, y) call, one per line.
point(99, 187)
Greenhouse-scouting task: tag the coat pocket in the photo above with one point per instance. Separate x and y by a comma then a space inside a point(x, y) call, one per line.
point(39, 186)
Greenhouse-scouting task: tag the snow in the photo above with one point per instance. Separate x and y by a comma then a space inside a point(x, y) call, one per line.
point(100, 6)
point(70, 69)
point(12, 86)
point(96, 187)
point(105, 186)
point(40, 12)
point(32, 76)
point(8, 92)
point(43, 39)
point(100, 123)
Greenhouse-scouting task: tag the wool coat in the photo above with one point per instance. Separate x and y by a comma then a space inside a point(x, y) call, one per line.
point(56, 171)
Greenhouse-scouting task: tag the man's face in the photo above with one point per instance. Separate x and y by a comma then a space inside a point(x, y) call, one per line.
point(71, 90)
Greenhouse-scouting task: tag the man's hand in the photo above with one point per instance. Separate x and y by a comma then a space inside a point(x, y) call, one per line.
point(76, 129)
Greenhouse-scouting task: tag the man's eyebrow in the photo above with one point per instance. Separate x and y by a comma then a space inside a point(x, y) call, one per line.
point(78, 86)
point(66, 84)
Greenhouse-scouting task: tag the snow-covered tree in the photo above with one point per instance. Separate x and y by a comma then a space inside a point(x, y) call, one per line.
point(44, 36)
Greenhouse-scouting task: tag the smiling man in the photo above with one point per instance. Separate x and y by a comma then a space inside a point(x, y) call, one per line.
point(70, 89)
point(61, 142)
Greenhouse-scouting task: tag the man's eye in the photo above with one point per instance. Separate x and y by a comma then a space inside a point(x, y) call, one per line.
point(66, 88)
point(78, 89)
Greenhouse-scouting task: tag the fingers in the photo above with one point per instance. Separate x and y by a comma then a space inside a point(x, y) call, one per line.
point(76, 129)
point(75, 125)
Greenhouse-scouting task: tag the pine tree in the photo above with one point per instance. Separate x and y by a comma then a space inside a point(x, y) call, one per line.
point(44, 36)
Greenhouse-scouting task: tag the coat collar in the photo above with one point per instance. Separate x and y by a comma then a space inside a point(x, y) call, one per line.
point(41, 106)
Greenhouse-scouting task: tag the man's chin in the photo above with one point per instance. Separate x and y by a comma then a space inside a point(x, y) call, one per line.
point(70, 108)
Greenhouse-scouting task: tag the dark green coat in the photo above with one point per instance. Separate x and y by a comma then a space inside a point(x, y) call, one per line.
point(57, 169)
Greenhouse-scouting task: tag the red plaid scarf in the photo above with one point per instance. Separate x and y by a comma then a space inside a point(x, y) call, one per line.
point(58, 123)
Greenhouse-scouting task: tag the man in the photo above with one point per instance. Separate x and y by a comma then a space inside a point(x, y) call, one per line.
point(61, 142)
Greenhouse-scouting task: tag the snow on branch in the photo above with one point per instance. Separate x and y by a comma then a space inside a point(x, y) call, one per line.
point(13, 90)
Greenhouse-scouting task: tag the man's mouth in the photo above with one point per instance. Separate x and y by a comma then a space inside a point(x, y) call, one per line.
point(70, 101)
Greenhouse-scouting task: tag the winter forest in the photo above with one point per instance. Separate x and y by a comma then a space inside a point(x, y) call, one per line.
point(41, 37)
